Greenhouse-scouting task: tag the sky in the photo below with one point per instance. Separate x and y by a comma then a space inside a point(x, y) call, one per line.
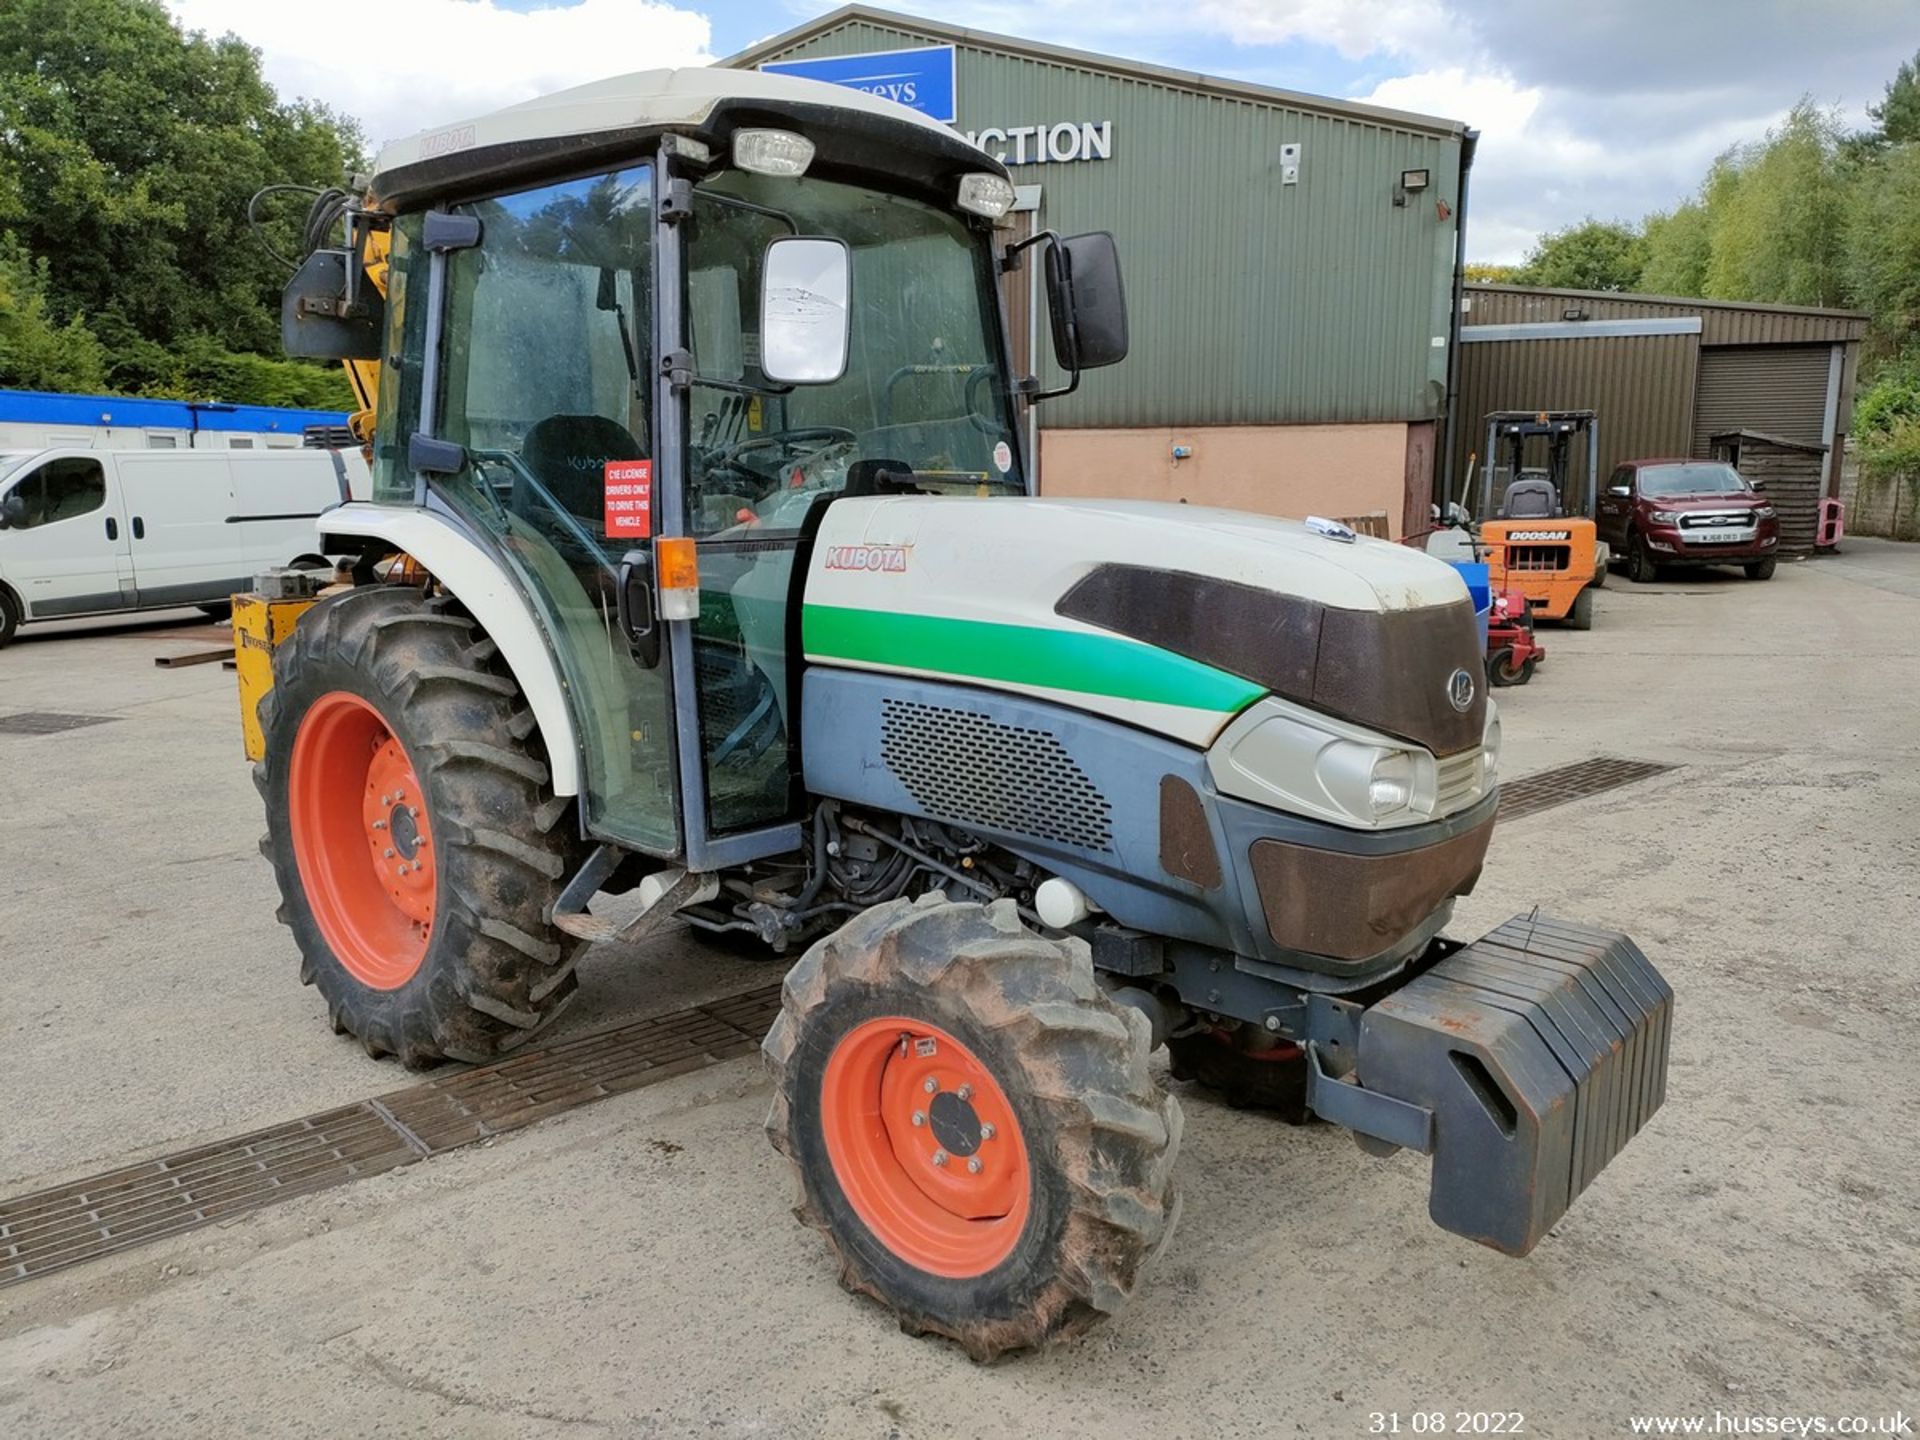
point(1603, 108)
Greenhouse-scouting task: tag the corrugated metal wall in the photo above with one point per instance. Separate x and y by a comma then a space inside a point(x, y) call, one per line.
point(1639, 386)
point(1251, 302)
point(1721, 323)
point(1775, 389)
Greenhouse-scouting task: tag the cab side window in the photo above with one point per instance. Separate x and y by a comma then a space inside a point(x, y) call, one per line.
point(61, 490)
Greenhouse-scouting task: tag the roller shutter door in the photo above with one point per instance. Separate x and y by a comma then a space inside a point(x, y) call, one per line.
point(1776, 389)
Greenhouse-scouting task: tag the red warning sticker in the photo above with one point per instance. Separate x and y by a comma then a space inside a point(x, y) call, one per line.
point(629, 488)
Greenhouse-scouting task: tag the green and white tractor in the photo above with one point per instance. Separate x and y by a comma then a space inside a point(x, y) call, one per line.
point(703, 579)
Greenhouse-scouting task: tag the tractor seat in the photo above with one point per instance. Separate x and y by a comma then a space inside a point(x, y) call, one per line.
point(1530, 498)
point(568, 454)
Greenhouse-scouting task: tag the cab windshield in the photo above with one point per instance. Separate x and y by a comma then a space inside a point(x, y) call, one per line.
point(922, 392)
point(1667, 482)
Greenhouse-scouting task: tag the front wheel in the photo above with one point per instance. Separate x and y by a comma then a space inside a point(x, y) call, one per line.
point(1503, 670)
point(9, 618)
point(1640, 567)
point(1760, 569)
point(417, 843)
point(1580, 617)
point(972, 1123)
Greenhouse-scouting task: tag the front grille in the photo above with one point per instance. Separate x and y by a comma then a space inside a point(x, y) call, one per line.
point(1458, 782)
point(970, 769)
point(1539, 557)
point(1738, 520)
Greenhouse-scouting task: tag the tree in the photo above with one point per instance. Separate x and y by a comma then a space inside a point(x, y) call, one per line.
point(1594, 255)
point(1777, 211)
point(132, 149)
point(1677, 245)
point(1898, 116)
point(1481, 274)
point(35, 353)
point(1883, 247)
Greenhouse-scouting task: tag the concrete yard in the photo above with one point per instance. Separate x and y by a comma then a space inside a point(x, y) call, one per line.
point(631, 1268)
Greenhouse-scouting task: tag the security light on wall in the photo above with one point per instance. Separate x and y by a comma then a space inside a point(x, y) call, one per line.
point(1411, 183)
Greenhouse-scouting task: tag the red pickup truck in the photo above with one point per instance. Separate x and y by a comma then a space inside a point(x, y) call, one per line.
point(1655, 513)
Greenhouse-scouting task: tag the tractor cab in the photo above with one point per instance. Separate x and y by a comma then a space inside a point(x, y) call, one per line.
point(1536, 504)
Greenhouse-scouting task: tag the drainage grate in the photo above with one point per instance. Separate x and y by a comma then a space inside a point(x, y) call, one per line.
point(48, 722)
point(1547, 788)
point(69, 1224)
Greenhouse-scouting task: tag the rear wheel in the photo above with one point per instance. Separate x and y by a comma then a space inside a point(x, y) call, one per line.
point(1580, 617)
point(216, 609)
point(417, 843)
point(972, 1123)
point(1760, 569)
point(9, 618)
point(1640, 567)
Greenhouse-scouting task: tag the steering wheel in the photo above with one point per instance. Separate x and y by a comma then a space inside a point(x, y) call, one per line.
point(814, 436)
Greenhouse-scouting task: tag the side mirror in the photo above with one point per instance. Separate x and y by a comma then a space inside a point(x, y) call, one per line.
point(1086, 301)
point(324, 317)
point(1619, 492)
point(806, 310)
point(13, 510)
point(1758, 484)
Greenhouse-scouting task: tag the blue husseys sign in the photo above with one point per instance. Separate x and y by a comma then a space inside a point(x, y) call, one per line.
point(922, 79)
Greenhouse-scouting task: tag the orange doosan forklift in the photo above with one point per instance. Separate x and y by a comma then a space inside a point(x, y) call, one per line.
point(1538, 529)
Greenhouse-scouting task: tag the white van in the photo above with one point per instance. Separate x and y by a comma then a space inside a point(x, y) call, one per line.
point(104, 532)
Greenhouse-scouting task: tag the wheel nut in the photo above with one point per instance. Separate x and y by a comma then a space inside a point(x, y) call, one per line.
point(389, 852)
point(939, 1157)
point(919, 1117)
point(379, 824)
point(986, 1132)
point(966, 1092)
point(932, 1087)
point(1273, 1022)
point(386, 799)
point(973, 1166)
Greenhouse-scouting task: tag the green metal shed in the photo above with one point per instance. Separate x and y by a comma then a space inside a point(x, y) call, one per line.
point(1291, 262)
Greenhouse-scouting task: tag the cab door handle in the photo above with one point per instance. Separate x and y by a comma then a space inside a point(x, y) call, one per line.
point(113, 528)
point(139, 528)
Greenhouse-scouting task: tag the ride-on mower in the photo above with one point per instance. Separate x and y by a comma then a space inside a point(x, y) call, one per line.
point(1513, 652)
point(1539, 528)
point(670, 586)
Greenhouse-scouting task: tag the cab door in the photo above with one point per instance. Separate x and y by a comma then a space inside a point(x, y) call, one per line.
point(67, 552)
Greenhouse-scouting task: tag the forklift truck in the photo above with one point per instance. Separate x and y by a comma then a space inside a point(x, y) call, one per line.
point(1539, 528)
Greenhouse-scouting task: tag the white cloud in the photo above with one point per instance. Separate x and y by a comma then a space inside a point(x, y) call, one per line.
point(405, 65)
point(1355, 28)
point(1542, 165)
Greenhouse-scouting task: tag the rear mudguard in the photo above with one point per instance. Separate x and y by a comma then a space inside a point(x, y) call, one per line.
point(1522, 1063)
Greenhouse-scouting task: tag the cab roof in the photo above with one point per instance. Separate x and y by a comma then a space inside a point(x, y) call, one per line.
point(612, 120)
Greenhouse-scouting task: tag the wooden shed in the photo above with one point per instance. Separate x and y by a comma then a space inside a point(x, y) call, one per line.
point(1793, 474)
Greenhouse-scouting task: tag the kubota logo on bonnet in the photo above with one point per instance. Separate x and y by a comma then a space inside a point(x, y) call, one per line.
point(867, 557)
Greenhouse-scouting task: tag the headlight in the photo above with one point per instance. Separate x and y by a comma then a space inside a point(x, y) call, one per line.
point(1390, 786)
point(1765, 512)
point(772, 152)
point(1664, 517)
point(988, 195)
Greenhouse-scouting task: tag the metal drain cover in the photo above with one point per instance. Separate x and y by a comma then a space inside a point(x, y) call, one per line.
point(48, 722)
point(69, 1224)
point(1547, 788)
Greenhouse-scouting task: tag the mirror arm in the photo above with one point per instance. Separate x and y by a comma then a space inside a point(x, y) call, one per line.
point(1029, 389)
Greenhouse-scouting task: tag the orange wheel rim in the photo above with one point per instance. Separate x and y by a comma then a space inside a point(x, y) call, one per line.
point(925, 1146)
point(361, 839)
